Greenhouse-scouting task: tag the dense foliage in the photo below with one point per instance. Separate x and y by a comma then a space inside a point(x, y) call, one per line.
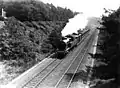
point(14, 42)
point(25, 41)
point(109, 44)
point(32, 28)
point(28, 10)
point(53, 43)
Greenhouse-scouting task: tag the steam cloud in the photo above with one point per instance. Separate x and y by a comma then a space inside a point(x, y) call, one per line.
point(74, 24)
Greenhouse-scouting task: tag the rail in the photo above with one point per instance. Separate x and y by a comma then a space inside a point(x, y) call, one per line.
point(54, 63)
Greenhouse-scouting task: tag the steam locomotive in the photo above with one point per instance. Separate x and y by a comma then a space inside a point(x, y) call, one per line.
point(70, 42)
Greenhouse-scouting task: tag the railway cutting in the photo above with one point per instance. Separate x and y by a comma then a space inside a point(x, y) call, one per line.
point(60, 73)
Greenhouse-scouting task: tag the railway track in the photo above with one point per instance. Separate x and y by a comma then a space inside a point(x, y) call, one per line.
point(46, 67)
point(55, 73)
point(60, 83)
point(54, 76)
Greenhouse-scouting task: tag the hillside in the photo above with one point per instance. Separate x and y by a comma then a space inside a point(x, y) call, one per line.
point(23, 38)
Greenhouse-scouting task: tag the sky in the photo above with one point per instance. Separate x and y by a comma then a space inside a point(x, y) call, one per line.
point(88, 7)
point(74, 24)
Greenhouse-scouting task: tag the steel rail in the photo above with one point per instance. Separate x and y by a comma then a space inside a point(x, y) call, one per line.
point(47, 73)
point(51, 71)
point(78, 66)
point(39, 73)
point(67, 69)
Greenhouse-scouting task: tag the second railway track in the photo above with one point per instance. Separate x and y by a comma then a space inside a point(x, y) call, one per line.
point(53, 75)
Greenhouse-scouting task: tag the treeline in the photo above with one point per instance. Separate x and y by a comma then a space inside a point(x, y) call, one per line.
point(33, 10)
point(32, 30)
point(109, 45)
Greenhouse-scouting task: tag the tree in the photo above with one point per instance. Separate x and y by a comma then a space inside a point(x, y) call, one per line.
point(54, 41)
point(32, 10)
point(110, 47)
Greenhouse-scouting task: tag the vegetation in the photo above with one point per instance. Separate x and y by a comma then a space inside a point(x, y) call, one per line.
point(109, 45)
point(32, 10)
point(32, 30)
point(53, 43)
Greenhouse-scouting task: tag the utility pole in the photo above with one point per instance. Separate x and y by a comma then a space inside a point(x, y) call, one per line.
point(3, 13)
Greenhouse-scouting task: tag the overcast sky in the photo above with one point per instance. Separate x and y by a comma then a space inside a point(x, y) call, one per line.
point(88, 7)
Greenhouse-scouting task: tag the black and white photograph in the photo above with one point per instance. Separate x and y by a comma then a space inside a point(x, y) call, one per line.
point(59, 43)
